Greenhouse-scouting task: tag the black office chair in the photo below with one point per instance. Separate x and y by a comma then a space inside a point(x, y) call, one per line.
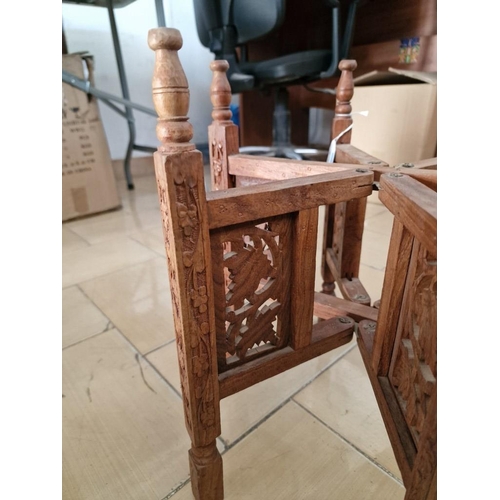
point(224, 25)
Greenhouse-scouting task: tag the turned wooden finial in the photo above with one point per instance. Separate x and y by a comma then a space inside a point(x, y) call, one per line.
point(170, 91)
point(345, 88)
point(220, 91)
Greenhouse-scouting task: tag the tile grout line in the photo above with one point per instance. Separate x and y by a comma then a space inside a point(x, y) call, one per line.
point(130, 237)
point(229, 446)
point(159, 347)
point(134, 348)
point(115, 271)
point(374, 268)
point(76, 234)
point(177, 489)
point(283, 403)
point(139, 355)
point(361, 452)
point(152, 249)
point(109, 326)
point(120, 236)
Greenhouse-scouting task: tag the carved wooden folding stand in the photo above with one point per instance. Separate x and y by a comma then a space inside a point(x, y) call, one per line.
point(242, 260)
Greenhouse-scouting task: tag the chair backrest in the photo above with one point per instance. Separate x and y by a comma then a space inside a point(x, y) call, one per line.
point(252, 20)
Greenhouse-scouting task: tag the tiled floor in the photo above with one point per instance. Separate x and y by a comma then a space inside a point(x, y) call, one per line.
point(314, 432)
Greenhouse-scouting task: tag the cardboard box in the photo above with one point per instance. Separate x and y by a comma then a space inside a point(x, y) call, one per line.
point(402, 122)
point(88, 182)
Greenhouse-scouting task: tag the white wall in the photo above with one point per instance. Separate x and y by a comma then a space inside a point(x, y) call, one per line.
point(87, 29)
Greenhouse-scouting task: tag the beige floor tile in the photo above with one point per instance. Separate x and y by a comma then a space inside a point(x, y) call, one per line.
point(373, 209)
point(71, 241)
point(380, 223)
point(140, 166)
point(164, 360)
point(145, 202)
point(374, 199)
point(241, 411)
point(143, 184)
point(123, 427)
point(343, 398)
point(292, 456)
point(135, 282)
point(137, 300)
point(153, 239)
point(115, 224)
point(80, 317)
point(97, 260)
point(374, 249)
point(137, 200)
point(372, 280)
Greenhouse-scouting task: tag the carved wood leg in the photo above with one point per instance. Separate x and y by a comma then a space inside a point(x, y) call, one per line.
point(181, 192)
point(354, 220)
point(180, 185)
point(205, 466)
point(222, 133)
point(335, 215)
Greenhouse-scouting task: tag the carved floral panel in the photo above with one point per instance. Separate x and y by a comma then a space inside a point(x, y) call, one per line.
point(252, 273)
point(415, 366)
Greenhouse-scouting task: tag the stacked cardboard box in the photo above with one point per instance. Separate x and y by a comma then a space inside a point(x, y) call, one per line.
point(402, 122)
point(88, 182)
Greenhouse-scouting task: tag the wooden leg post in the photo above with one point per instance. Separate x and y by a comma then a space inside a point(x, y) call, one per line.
point(344, 222)
point(205, 466)
point(181, 190)
point(222, 133)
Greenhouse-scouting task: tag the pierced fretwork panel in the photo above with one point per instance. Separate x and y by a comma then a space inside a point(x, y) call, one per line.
point(251, 267)
point(414, 369)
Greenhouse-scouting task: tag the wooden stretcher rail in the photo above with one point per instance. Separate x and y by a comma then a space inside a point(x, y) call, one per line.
point(328, 306)
point(279, 168)
point(408, 200)
point(429, 164)
point(349, 154)
point(351, 288)
point(326, 336)
point(243, 204)
point(424, 171)
point(259, 170)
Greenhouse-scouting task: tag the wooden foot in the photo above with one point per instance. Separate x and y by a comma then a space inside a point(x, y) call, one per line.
point(205, 464)
point(328, 288)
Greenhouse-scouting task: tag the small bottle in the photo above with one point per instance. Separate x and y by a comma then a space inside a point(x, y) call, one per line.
point(403, 50)
point(415, 49)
